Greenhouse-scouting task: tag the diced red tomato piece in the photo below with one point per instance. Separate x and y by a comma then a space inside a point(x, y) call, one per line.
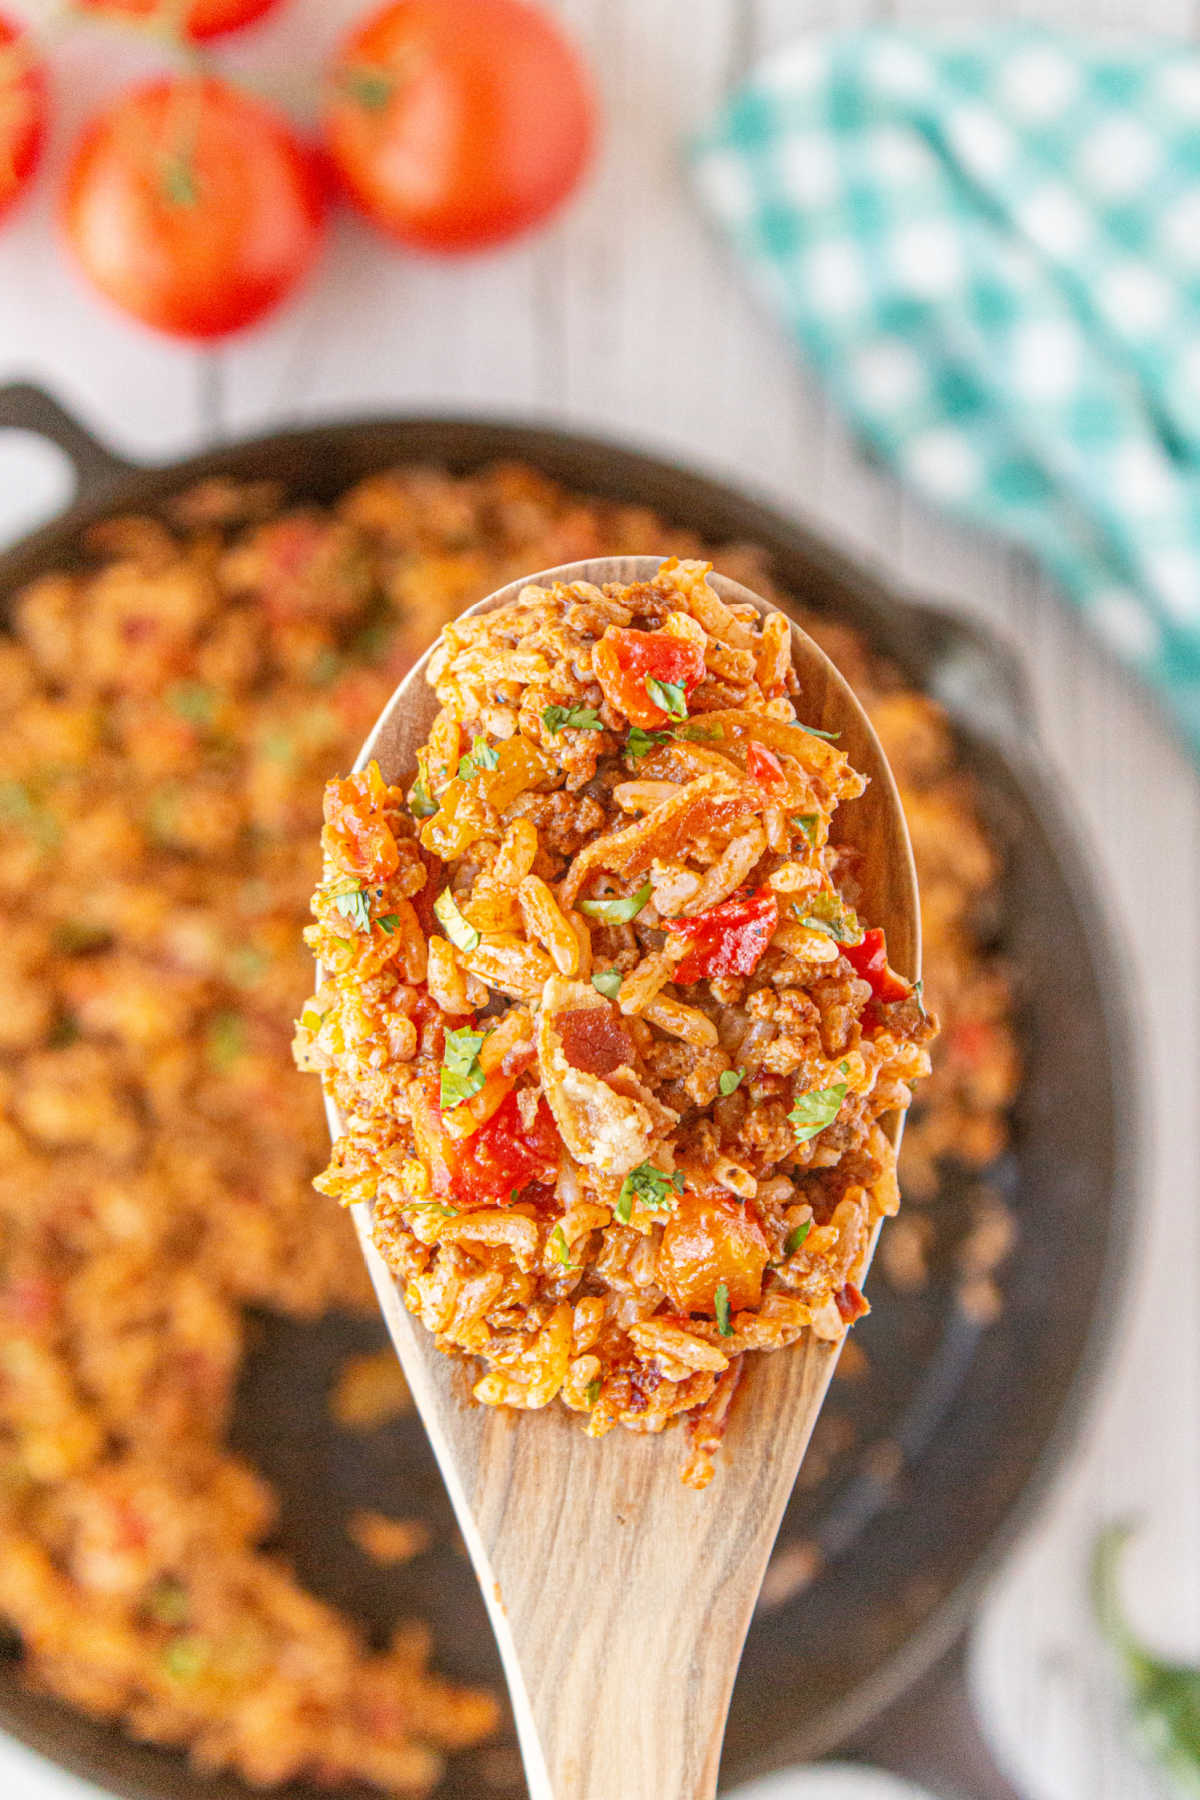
point(624, 660)
point(729, 938)
point(763, 766)
point(705, 1242)
point(356, 832)
point(869, 959)
point(486, 1168)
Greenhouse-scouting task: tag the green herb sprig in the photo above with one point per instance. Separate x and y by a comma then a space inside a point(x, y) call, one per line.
point(721, 1308)
point(730, 1080)
point(461, 1074)
point(1164, 1696)
point(653, 1187)
point(573, 718)
point(671, 696)
point(459, 930)
point(813, 1112)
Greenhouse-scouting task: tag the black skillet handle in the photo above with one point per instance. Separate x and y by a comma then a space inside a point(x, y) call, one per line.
point(24, 407)
point(930, 1736)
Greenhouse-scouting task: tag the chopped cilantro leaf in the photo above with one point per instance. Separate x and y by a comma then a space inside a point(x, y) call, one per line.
point(577, 718)
point(670, 695)
point(796, 1238)
point(388, 923)
point(721, 1308)
point(807, 823)
point(731, 1079)
point(225, 1039)
point(193, 701)
point(640, 743)
point(813, 1112)
point(607, 982)
point(815, 731)
point(355, 906)
point(653, 1187)
point(617, 912)
point(457, 929)
point(591, 1392)
point(483, 756)
point(461, 1073)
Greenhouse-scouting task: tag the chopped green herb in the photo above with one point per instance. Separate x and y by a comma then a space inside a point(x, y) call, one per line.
point(355, 905)
point(721, 1308)
point(697, 732)
point(193, 701)
point(225, 1040)
point(796, 1238)
point(814, 731)
point(591, 1392)
point(421, 803)
point(617, 912)
point(1164, 1696)
point(731, 1079)
point(327, 666)
point(807, 823)
point(558, 1244)
point(640, 743)
point(813, 1112)
point(670, 695)
point(653, 1187)
point(577, 718)
point(482, 756)
point(461, 1073)
point(436, 1209)
point(830, 914)
point(167, 1602)
point(607, 982)
point(388, 923)
point(186, 1658)
point(456, 928)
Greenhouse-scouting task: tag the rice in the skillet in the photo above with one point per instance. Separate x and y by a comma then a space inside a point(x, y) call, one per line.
point(172, 706)
point(609, 1041)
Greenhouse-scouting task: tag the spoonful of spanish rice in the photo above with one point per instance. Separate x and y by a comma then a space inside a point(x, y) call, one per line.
point(617, 1019)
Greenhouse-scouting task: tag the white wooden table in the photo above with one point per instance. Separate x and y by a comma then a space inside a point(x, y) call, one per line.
point(625, 318)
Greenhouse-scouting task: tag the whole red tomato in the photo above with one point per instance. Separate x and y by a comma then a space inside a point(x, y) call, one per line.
point(455, 124)
point(22, 112)
point(193, 206)
point(202, 18)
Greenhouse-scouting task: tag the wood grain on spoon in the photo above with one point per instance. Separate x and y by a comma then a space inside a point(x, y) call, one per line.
point(620, 1598)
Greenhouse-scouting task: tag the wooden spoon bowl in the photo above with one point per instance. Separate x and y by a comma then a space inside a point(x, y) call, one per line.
point(619, 1597)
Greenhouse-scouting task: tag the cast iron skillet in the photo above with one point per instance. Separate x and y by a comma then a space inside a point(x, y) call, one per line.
point(980, 1418)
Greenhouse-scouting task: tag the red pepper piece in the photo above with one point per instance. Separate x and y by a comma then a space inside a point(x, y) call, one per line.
point(869, 959)
point(729, 938)
point(763, 766)
point(486, 1168)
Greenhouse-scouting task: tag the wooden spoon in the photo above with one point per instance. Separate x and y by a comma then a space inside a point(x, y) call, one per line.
point(619, 1597)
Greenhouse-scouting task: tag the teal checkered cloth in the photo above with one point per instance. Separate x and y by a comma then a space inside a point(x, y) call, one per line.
point(987, 241)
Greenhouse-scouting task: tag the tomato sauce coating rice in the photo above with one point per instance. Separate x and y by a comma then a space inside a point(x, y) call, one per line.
point(610, 1042)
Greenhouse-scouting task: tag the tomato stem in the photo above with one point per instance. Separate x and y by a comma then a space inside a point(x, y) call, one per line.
point(371, 87)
